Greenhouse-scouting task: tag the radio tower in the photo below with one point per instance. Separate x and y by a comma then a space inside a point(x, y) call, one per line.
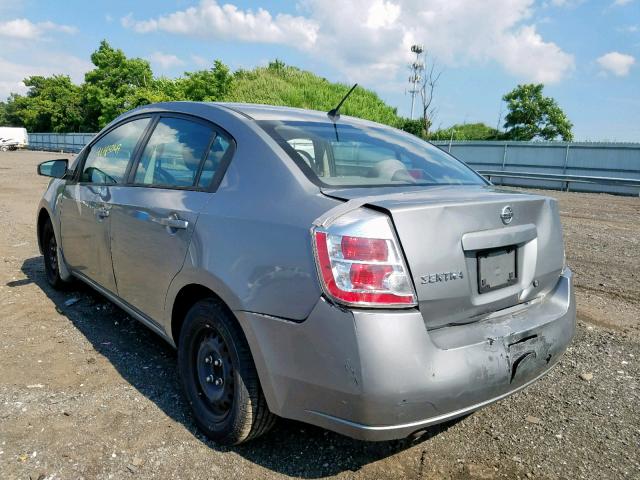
point(416, 69)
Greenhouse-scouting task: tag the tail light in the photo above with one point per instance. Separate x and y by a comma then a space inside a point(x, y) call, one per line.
point(360, 263)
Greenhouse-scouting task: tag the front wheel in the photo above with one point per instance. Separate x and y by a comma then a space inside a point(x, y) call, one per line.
point(50, 250)
point(219, 377)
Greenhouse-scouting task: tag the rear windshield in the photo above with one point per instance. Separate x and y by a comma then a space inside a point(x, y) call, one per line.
point(343, 155)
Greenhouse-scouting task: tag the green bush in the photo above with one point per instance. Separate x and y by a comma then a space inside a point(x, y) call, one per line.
point(118, 84)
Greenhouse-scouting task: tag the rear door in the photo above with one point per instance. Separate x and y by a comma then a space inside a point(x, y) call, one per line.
point(85, 202)
point(153, 218)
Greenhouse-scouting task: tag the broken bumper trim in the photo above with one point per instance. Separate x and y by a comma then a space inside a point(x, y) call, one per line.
point(392, 432)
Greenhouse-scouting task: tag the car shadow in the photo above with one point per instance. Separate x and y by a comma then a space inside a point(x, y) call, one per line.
point(291, 448)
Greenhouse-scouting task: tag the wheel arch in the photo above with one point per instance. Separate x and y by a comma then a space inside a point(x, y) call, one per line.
point(192, 285)
point(188, 296)
point(185, 298)
point(43, 217)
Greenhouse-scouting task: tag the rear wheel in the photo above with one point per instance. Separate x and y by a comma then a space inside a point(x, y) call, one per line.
point(219, 377)
point(50, 250)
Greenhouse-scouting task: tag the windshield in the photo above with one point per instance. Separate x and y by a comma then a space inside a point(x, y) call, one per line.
point(360, 156)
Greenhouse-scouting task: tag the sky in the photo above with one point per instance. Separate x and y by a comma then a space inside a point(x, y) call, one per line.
point(586, 52)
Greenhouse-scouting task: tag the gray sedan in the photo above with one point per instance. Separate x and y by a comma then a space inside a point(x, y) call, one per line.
point(310, 266)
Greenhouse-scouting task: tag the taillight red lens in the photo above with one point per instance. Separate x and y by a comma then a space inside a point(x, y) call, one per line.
point(368, 249)
point(369, 277)
point(362, 271)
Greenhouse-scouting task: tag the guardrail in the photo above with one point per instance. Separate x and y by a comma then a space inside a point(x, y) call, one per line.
point(564, 180)
point(536, 163)
point(586, 167)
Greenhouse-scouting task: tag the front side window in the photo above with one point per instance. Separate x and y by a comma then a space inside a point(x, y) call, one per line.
point(109, 157)
point(173, 154)
point(361, 155)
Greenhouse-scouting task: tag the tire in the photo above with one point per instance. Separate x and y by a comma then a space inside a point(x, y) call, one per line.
point(219, 376)
point(4, 149)
point(50, 251)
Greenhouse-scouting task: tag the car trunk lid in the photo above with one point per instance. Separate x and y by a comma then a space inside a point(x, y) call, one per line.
point(444, 229)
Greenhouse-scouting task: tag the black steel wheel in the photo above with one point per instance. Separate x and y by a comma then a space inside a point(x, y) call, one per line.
point(214, 373)
point(50, 252)
point(219, 377)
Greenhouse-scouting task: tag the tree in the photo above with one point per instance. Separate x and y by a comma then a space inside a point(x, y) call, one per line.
point(3, 114)
point(413, 126)
point(58, 103)
point(532, 115)
point(8, 112)
point(427, 88)
point(280, 84)
point(13, 110)
point(52, 104)
point(109, 87)
point(467, 131)
point(207, 85)
point(424, 78)
point(118, 84)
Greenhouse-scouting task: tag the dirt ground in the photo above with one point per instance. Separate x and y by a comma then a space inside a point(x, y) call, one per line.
point(86, 392)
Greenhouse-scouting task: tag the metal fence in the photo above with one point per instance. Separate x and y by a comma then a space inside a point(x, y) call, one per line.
point(504, 160)
point(59, 142)
point(567, 160)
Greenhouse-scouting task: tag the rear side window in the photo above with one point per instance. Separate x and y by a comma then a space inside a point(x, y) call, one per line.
point(109, 157)
point(174, 153)
point(218, 151)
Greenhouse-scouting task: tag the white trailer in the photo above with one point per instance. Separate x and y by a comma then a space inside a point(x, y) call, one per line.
point(13, 137)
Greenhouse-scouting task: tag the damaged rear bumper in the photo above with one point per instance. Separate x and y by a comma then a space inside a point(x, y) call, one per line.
point(381, 375)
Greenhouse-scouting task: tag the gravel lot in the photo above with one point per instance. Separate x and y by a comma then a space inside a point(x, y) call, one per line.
point(86, 392)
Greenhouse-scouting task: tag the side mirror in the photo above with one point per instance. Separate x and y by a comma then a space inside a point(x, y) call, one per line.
point(54, 168)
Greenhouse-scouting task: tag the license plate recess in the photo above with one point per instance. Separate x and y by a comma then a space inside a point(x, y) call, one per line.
point(497, 268)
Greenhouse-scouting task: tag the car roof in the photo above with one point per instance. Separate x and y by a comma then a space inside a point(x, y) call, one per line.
point(250, 111)
point(272, 112)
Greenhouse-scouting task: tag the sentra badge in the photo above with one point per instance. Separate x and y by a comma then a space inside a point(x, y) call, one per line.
point(440, 277)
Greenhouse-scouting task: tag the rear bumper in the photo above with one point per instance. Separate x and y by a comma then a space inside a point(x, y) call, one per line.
point(380, 375)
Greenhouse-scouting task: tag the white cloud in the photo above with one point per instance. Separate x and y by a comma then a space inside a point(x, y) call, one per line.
point(621, 3)
point(449, 30)
point(11, 77)
point(545, 61)
point(19, 59)
point(200, 61)
point(616, 63)
point(563, 3)
point(165, 60)
point(41, 63)
point(629, 29)
point(209, 19)
point(369, 41)
point(24, 29)
point(383, 14)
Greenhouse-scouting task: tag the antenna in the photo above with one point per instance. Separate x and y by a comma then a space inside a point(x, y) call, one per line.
point(414, 79)
point(334, 114)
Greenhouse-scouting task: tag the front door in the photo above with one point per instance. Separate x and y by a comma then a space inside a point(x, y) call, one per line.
point(85, 205)
point(154, 218)
point(85, 232)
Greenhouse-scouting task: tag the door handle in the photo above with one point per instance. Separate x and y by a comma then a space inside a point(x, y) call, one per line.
point(173, 222)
